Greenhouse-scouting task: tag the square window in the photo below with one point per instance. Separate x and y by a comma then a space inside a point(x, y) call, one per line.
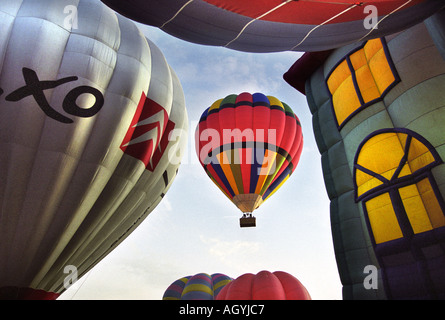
point(362, 78)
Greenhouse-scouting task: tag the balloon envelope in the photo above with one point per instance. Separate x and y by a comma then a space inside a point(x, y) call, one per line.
point(86, 107)
point(277, 25)
point(379, 128)
point(201, 286)
point(249, 145)
point(265, 285)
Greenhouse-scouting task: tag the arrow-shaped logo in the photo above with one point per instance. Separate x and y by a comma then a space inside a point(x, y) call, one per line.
point(146, 130)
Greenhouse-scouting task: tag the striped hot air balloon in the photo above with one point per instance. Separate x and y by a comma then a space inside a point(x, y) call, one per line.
point(249, 145)
point(201, 286)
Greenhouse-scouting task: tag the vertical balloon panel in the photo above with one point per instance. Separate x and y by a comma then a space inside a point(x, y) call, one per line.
point(87, 106)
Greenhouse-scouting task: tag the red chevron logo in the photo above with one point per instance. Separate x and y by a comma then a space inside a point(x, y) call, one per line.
point(146, 130)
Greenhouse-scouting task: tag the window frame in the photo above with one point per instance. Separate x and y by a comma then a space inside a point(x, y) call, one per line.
point(363, 104)
point(392, 187)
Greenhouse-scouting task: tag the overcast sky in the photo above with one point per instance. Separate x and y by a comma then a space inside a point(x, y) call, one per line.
point(195, 228)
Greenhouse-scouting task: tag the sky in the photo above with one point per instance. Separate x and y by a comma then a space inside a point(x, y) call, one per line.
point(195, 229)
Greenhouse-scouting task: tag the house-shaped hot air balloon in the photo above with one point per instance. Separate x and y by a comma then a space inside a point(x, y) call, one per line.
point(378, 115)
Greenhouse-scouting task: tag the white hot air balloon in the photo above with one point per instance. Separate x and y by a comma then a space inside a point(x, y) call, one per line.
point(87, 105)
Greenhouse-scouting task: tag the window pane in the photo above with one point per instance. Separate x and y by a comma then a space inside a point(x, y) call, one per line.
point(414, 208)
point(367, 84)
point(381, 154)
point(365, 182)
point(380, 68)
point(432, 205)
point(344, 96)
point(363, 77)
point(419, 156)
point(382, 219)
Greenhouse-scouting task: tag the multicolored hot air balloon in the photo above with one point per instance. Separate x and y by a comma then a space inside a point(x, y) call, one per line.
point(86, 107)
point(201, 286)
point(264, 285)
point(378, 116)
point(249, 145)
point(277, 25)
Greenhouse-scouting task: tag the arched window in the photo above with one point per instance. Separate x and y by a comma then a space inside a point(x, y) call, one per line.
point(404, 210)
point(393, 179)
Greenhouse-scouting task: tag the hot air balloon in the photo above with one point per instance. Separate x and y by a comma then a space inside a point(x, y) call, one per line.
point(277, 25)
point(264, 285)
point(378, 113)
point(249, 145)
point(86, 107)
point(201, 286)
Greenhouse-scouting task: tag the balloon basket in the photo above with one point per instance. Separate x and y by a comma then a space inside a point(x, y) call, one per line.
point(246, 222)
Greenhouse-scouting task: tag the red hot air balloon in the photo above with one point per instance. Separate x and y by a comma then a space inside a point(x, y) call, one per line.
point(277, 25)
point(264, 285)
point(249, 145)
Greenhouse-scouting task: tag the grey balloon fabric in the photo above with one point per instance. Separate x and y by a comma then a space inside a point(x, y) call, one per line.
point(87, 105)
point(376, 147)
point(277, 25)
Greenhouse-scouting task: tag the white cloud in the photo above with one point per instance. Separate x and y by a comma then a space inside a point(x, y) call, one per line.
point(232, 254)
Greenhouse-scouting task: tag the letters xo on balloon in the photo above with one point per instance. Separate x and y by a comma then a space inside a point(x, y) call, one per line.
point(36, 88)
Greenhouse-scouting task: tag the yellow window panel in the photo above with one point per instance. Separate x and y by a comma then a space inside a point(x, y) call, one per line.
point(431, 203)
point(419, 156)
point(414, 208)
point(381, 70)
point(365, 182)
point(338, 76)
point(372, 47)
point(406, 171)
point(381, 154)
point(402, 139)
point(358, 59)
point(345, 100)
point(382, 219)
point(367, 84)
point(344, 96)
point(363, 77)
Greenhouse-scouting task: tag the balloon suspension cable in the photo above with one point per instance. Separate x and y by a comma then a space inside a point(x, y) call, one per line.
point(176, 14)
point(357, 4)
point(258, 18)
